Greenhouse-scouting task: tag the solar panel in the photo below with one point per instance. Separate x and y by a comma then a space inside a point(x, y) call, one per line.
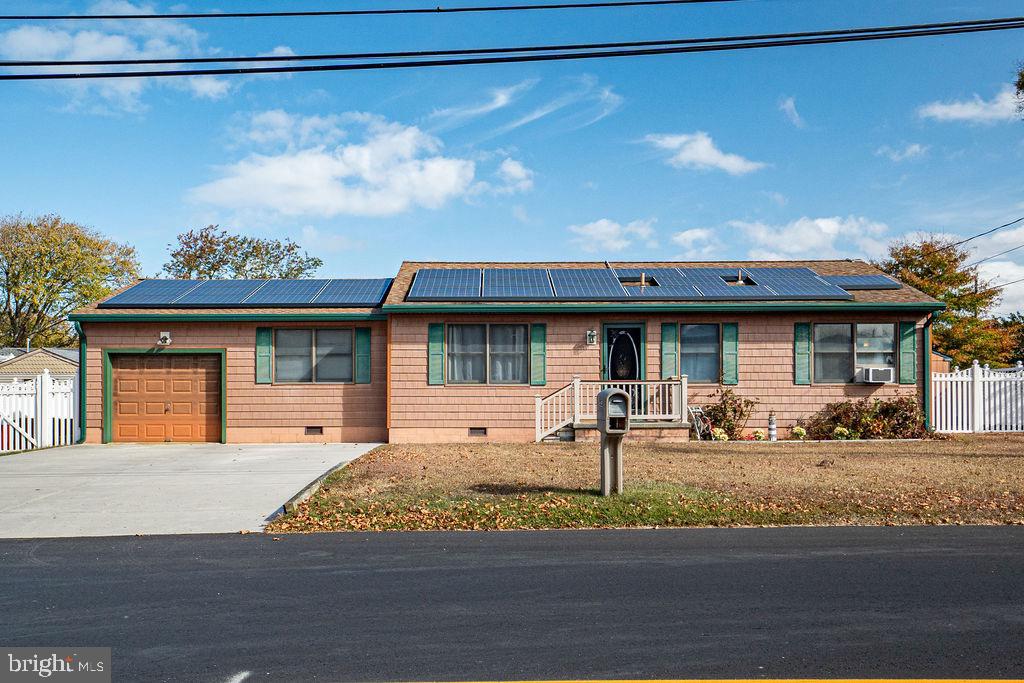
point(220, 293)
point(797, 283)
point(445, 284)
point(586, 284)
point(713, 284)
point(151, 293)
point(365, 292)
point(286, 292)
point(671, 284)
point(855, 282)
point(519, 284)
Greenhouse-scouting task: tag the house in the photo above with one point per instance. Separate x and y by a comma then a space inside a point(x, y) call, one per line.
point(941, 362)
point(24, 364)
point(494, 351)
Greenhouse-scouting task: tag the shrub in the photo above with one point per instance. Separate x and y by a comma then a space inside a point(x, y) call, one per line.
point(798, 432)
point(730, 413)
point(759, 435)
point(718, 434)
point(898, 418)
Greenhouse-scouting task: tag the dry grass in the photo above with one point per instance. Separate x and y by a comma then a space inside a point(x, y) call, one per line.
point(977, 479)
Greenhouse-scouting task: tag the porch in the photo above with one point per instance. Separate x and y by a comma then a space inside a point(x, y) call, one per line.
point(654, 404)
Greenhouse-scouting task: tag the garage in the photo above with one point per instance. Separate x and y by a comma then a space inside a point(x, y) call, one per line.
point(166, 397)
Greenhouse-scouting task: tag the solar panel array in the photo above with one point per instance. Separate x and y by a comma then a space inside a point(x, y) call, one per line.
point(251, 293)
point(607, 284)
point(855, 282)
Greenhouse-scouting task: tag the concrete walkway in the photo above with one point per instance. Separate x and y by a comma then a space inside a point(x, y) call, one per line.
point(113, 490)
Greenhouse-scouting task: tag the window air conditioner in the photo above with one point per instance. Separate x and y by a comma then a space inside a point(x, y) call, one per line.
point(879, 375)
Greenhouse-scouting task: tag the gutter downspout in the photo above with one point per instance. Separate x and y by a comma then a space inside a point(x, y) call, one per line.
point(82, 354)
point(928, 371)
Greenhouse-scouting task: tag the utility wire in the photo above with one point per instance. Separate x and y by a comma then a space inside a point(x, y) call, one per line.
point(1009, 22)
point(987, 232)
point(1001, 25)
point(989, 258)
point(355, 12)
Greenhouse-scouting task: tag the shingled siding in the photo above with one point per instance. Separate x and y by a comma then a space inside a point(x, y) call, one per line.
point(424, 413)
point(256, 413)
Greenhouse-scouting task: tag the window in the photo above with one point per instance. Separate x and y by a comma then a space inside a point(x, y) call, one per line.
point(293, 356)
point(510, 354)
point(313, 356)
point(467, 354)
point(833, 353)
point(488, 354)
point(876, 346)
point(700, 353)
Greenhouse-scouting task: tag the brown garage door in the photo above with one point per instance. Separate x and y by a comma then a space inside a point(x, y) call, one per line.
point(172, 397)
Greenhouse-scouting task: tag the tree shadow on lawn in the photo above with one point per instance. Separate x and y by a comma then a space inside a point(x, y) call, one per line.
point(519, 489)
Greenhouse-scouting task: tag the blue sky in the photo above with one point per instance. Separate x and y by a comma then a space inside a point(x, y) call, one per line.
point(814, 152)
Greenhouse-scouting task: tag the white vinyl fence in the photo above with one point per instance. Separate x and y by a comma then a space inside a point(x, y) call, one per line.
point(978, 399)
point(38, 413)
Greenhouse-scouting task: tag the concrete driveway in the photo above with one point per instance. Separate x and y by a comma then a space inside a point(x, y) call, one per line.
point(111, 490)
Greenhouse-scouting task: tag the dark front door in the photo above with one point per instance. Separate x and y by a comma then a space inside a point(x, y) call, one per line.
point(624, 349)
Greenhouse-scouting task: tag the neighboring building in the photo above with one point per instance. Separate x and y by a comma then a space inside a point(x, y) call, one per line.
point(25, 364)
point(941, 362)
point(462, 351)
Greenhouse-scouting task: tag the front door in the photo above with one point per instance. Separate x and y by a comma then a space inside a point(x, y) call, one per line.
point(623, 352)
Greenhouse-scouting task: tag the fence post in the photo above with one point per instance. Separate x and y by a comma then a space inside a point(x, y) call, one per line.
point(45, 413)
point(576, 398)
point(76, 404)
point(977, 412)
point(684, 400)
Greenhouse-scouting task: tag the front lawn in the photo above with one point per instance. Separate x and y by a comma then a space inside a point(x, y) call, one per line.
point(976, 479)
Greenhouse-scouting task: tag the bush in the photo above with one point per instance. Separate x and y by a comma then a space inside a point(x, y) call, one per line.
point(798, 432)
point(731, 412)
point(898, 418)
point(718, 434)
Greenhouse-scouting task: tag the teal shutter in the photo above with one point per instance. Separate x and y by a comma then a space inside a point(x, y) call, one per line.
point(730, 353)
point(435, 353)
point(908, 353)
point(669, 350)
point(538, 354)
point(802, 353)
point(362, 373)
point(264, 355)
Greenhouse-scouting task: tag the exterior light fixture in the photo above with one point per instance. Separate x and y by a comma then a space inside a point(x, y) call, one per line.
point(591, 337)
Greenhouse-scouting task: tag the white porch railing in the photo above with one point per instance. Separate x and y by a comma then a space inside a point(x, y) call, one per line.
point(38, 413)
point(576, 403)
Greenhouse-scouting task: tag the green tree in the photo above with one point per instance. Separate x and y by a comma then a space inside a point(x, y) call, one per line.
point(214, 253)
point(938, 267)
point(48, 268)
point(1014, 326)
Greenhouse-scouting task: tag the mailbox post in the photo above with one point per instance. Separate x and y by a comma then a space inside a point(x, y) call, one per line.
point(613, 423)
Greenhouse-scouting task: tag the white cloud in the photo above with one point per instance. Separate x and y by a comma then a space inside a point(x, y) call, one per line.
point(590, 101)
point(698, 151)
point(897, 155)
point(114, 39)
point(515, 176)
point(996, 272)
point(1002, 107)
point(815, 238)
point(776, 198)
point(499, 99)
point(697, 243)
point(788, 107)
point(608, 235)
point(317, 241)
point(278, 127)
point(389, 169)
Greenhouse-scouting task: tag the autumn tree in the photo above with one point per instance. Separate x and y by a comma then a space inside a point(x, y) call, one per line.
point(938, 267)
point(1014, 326)
point(48, 268)
point(214, 253)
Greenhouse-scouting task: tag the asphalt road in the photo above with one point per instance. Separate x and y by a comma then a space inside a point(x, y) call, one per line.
point(798, 602)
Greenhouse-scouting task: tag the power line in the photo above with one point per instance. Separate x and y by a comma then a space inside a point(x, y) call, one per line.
point(987, 232)
point(989, 258)
point(958, 28)
point(1009, 22)
point(1005, 284)
point(355, 12)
